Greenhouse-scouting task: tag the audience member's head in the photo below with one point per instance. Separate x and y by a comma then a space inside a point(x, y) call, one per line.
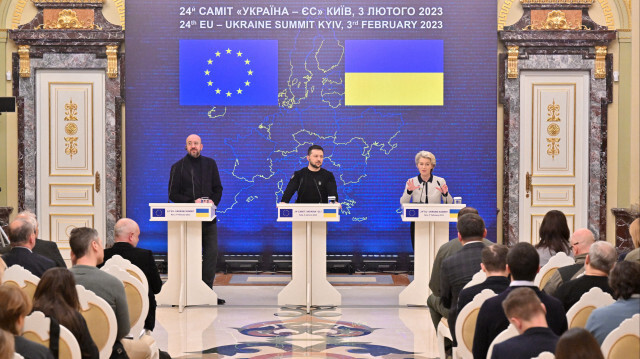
point(31, 217)
point(471, 227)
point(16, 305)
point(7, 345)
point(554, 232)
point(623, 279)
point(602, 256)
point(523, 261)
point(22, 233)
point(634, 230)
point(581, 240)
point(578, 343)
point(524, 309)
point(128, 231)
point(56, 297)
point(86, 247)
point(494, 258)
point(467, 210)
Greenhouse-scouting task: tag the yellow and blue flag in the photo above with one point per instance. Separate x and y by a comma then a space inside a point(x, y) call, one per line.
point(330, 212)
point(202, 212)
point(229, 72)
point(394, 72)
point(453, 213)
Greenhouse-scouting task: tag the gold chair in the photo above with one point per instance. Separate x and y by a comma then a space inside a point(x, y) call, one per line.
point(36, 329)
point(137, 299)
point(578, 314)
point(100, 319)
point(624, 341)
point(131, 268)
point(466, 324)
point(508, 333)
point(560, 259)
point(18, 276)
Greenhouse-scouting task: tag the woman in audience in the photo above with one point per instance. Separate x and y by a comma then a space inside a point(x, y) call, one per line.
point(554, 236)
point(623, 279)
point(7, 346)
point(16, 305)
point(578, 343)
point(56, 297)
point(634, 230)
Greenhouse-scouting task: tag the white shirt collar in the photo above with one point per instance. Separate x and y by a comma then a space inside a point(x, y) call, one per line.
point(521, 283)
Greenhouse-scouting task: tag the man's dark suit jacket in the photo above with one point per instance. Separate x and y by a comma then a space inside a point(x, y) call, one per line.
point(44, 248)
point(31, 350)
point(527, 345)
point(492, 320)
point(455, 273)
point(496, 283)
point(143, 259)
point(570, 292)
point(34, 262)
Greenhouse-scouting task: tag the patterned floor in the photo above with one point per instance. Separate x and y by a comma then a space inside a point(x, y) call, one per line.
point(369, 324)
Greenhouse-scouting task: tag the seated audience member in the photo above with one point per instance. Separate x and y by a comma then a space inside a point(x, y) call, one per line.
point(527, 314)
point(522, 264)
point(581, 242)
point(626, 289)
point(434, 302)
point(457, 270)
point(126, 236)
point(634, 230)
point(57, 298)
point(601, 258)
point(15, 306)
point(22, 235)
point(494, 264)
point(554, 236)
point(44, 248)
point(86, 254)
point(578, 343)
point(7, 345)
point(3, 267)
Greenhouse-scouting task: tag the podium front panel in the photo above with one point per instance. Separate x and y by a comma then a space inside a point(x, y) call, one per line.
point(307, 212)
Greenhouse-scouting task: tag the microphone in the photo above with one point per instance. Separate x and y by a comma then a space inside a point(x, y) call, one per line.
point(318, 188)
point(299, 185)
point(171, 177)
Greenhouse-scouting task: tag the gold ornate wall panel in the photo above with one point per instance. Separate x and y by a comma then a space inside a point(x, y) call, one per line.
point(61, 224)
point(71, 194)
point(71, 128)
point(553, 129)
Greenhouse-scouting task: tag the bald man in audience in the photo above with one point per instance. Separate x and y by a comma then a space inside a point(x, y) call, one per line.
point(22, 235)
point(581, 241)
point(601, 258)
point(126, 237)
point(528, 315)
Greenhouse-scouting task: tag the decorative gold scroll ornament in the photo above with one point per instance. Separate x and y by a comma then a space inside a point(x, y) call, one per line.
point(556, 20)
point(112, 61)
point(68, 19)
point(71, 128)
point(512, 62)
point(553, 146)
point(25, 62)
point(601, 54)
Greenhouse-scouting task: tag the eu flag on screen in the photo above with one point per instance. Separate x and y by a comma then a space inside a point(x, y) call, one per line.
point(229, 72)
point(394, 72)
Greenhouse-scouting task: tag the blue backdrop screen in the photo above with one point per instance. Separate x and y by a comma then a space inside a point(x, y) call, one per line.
point(262, 81)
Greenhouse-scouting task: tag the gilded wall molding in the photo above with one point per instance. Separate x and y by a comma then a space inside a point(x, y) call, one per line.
point(608, 14)
point(606, 9)
point(112, 61)
point(601, 54)
point(512, 62)
point(502, 15)
point(25, 62)
point(120, 7)
point(17, 13)
point(20, 4)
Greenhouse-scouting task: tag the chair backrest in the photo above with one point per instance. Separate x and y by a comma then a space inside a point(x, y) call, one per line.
point(578, 314)
point(545, 355)
point(137, 298)
point(100, 318)
point(508, 333)
point(36, 329)
point(18, 276)
point(624, 341)
point(558, 260)
point(131, 268)
point(466, 323)
point(477, 278)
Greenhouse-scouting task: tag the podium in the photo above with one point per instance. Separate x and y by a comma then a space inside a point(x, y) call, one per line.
point(184, 285)
point(309, 285)
point(431, 231)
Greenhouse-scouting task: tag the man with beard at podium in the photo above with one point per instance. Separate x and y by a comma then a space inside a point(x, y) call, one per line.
point(313, 183)
point(195, 179)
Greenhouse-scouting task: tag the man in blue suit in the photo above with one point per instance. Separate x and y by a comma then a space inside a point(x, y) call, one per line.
point(527, 314)
point(22, 235)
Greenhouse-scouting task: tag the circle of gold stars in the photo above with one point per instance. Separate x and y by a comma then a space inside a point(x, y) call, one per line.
point(228, 93)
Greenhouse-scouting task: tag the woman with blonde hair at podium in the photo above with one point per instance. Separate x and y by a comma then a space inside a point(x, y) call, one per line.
point(425, 187)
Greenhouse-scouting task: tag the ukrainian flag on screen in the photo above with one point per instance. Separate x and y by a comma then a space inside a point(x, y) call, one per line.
point(331, 212)
point(229, 72)
point(202, 212)
point(394, 73)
